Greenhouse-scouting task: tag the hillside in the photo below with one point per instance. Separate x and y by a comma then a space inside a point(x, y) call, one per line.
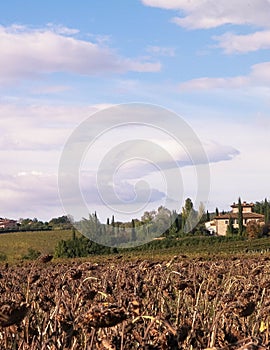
point(16, 244)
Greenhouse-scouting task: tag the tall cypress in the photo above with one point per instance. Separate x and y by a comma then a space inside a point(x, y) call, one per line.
point(230, 229)
point(266, 211)
point(133, 231)
point(240, 218)
point(113, 225)
point(96, 224)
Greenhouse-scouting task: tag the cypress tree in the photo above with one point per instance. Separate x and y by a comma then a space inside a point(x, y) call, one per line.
point(217, 212)
point(177, 223)
point(207, 216)
point(188, 216)
point(96, 223)
point(133, 231)
point(240, 218)
point(266, 211)
point(113, 225)
point(230, 226)
point(73, 234)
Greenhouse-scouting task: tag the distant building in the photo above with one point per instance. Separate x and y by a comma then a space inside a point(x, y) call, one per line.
point(222, 221)
point(211, 227)
point(8, 224)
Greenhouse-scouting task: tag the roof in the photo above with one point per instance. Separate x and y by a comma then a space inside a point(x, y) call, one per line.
point(235, 216)
point(244, 204)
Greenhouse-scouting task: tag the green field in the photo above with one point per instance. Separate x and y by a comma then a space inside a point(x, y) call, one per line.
point(16, 244)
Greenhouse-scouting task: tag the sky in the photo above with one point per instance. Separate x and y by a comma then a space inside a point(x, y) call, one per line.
point(65, 62)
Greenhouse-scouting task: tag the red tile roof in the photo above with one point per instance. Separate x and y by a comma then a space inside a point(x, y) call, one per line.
point(235, 216)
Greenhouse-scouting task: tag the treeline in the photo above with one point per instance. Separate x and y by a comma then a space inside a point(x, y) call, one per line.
point(153, 224)
point(59, 223)
point(80, 247)
point(161, 223)
point(263, 208)
point(158, 223)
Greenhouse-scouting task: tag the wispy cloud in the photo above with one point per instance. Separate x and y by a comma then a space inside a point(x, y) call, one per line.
point(161, 51)
point(34, 136)
point(50, 89)
point(29, 194)
point(259, 76)
point(197, 14)
point(233, 43)
point(205, 83)
point(27, 53)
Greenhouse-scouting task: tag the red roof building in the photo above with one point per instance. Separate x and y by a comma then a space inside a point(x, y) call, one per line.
point(222, 221)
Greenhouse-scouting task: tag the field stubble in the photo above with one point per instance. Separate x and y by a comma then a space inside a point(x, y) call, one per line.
point(148, 304)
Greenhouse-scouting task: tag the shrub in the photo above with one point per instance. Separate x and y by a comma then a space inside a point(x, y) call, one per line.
point(253, 230)
point(32, 254)
point(3, 257)
point(80, 247)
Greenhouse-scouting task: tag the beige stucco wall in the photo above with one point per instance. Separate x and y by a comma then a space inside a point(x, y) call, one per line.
point(247, 209)
point(222, 225)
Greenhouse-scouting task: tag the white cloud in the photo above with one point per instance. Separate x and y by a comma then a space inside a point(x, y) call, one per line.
point(259, 76)
point(246, 175)
point(33, 136)
point(206, 14)
point(29, 194)
point(51, 89)
point(31, 146)
point(26, 53)
point(39, 127)
point(206, 83)
point(59, 29)
point(161, 51)
point(232, 43)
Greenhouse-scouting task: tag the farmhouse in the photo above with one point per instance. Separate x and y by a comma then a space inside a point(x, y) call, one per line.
point(222, 221)
point(211, 227)
point(8, 224)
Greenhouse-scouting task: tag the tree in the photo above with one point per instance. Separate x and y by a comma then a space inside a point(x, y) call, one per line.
point(263, 207)
point(163, 220)
point(266, 229)
point(259, 207)
point(133, 231)
point(148, 216)
point(92, 228)
point(207, 216)
point(266, 211)
point(240, 218)
point(189, 217)
point(79, 247)
point(253, 230)
point(174, 224)
point(61, 222)
point(217, 212)
point(201, 213)
point(230, 228)
point(113, 226)
point(73, 234)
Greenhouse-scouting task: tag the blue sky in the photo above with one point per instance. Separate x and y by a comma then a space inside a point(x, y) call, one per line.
point(62, 61)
